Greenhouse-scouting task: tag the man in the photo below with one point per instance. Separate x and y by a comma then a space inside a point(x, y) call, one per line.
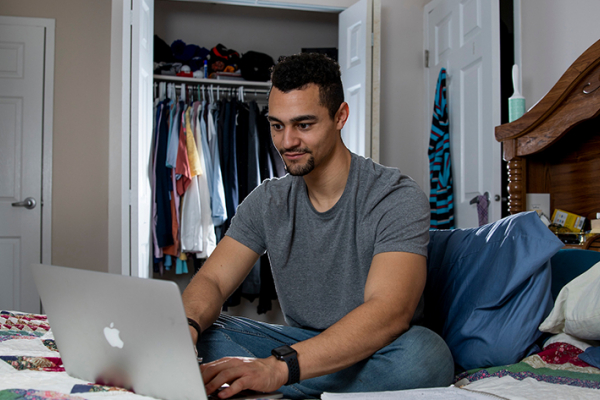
point(347, 240)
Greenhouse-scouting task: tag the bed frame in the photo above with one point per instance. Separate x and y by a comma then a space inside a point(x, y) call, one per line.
point(555, 147)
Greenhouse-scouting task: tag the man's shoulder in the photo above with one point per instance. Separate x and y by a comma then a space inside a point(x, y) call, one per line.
point(382, 175)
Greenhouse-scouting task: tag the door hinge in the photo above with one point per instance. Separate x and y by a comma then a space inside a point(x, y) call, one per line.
point(426, 58)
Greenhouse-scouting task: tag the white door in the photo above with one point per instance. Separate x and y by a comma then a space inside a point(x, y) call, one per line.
point(21, 124)
point(358, 56)
point(142, 48)
point(130, 140)
point(463, 36)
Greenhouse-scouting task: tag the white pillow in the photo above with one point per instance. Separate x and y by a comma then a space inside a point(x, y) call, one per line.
point(577, 307)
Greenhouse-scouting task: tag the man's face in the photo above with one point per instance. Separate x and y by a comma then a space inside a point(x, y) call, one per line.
point(302, 129)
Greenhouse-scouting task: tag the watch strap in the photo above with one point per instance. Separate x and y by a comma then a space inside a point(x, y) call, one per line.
point(291, 359)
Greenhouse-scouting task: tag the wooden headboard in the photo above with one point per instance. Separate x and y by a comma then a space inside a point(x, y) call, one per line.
point(555, 147)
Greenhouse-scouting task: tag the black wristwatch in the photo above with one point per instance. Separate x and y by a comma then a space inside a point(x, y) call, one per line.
point(290, 356)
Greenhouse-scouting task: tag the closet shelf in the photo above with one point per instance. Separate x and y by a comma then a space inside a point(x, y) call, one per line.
point(216, 82)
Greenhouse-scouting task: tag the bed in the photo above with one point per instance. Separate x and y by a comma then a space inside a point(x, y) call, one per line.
point(488, 291)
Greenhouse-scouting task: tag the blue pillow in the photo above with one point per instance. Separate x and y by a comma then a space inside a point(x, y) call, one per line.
point(488, 289)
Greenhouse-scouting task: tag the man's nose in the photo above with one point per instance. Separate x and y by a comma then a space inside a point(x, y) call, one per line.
point(290, 138)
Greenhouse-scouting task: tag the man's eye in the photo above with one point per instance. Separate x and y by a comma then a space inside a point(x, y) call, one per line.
point(276, 127)
point(304, 126)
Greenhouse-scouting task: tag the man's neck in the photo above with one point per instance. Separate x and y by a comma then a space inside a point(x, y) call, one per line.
point(326, 184)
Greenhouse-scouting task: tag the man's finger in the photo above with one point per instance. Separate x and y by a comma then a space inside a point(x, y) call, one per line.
point(234, 388)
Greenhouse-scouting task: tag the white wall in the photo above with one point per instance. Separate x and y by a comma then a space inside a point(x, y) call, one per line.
point(554, 34)
point(80, 132)
point(403, 88)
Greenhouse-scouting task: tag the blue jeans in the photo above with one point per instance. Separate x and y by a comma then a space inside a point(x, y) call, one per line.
point(417, 359)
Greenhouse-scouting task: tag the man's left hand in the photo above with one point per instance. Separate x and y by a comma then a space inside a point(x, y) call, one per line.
point(259, 374)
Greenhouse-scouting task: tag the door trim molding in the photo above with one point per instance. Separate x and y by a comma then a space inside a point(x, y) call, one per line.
point(49, 26)
point(119, 235)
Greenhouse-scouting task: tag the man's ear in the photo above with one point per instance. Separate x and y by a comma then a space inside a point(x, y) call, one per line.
point(341, 116)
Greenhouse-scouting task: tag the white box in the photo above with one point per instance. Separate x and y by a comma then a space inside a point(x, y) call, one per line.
point(539, 202)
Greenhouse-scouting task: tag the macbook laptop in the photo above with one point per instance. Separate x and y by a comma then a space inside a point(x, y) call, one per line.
point(122, 331)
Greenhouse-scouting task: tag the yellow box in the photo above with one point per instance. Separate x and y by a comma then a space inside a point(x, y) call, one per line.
point(571, 221)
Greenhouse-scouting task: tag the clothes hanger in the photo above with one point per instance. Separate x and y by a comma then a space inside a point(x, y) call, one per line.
point(162, 88)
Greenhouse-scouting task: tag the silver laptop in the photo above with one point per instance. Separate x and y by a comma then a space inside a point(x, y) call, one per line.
point(122, 331)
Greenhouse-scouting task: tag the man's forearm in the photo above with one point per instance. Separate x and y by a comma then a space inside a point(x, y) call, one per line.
point(202, 300)
point(357, 336)
point(220, 275)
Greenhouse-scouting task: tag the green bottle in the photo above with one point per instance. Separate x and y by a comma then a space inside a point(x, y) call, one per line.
point(516, 102)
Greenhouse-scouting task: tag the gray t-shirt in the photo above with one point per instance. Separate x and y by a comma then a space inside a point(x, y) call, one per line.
point(320, 261)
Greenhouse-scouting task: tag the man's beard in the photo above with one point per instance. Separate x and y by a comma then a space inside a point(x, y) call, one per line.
point(300, 169)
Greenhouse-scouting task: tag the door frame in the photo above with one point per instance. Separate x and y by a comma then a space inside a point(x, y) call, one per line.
point(49, 26)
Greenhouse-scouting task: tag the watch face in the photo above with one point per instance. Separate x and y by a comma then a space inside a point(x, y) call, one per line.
point(284, 351)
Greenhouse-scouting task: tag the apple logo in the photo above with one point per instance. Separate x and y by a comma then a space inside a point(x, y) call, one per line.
point(112, 336)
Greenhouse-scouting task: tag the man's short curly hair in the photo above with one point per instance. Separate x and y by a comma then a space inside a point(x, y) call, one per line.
point(299, 70)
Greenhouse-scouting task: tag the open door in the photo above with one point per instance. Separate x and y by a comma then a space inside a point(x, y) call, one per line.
point(464, 37)
point(359, 55)
point(142, 51)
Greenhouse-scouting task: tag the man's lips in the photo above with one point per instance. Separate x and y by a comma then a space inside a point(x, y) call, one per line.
point(293, 155)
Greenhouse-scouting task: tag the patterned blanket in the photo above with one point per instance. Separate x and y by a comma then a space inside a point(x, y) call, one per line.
point(31, 367)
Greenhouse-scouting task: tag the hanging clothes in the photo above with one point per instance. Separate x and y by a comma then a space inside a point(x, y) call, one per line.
point(157, 251)
point(219, 211)
point(183, 164)
point(191, 208)
point(164, 236)
point(230, 170)
point(209, 240)
point(254, 178)
point(264, 131)
point(207, 156)
point(441, 199)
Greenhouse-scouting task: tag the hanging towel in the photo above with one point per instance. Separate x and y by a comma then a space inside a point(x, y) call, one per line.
point(441, 199)
point(483, 204)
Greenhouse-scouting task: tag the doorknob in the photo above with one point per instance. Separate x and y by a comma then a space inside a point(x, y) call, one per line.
point(29, 203)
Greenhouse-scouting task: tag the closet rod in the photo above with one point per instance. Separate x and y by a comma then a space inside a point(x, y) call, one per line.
point(223, 89)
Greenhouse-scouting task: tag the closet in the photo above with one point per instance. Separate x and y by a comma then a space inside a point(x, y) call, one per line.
point(274, 28)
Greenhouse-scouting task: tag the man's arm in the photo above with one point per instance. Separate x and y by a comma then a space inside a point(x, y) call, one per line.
point(394, 287)
point(218, 278)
